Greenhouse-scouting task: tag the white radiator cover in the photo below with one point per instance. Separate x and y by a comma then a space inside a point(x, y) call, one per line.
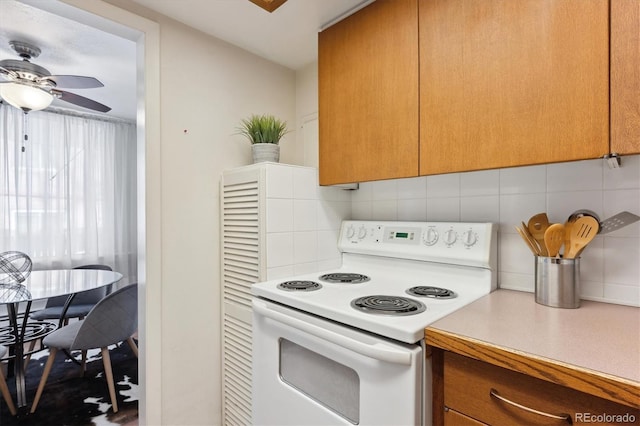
point(268, 207)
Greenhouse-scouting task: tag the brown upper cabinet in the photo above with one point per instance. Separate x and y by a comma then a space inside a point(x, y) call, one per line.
point(422, 87)
point(625, 76)
point(368, 94)
point(507, 83)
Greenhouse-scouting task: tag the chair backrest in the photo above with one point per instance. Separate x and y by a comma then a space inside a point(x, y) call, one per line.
point(112, 320)
point(97, 266)
point(92, 296)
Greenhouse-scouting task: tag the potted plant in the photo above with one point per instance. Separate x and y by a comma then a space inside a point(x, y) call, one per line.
point(264, 132)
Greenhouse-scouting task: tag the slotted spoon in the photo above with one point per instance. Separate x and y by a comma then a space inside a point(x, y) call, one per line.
point(554, 238)
point(580, 233)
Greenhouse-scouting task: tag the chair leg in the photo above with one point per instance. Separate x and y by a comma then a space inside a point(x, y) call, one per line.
point(83, 364)
point(43, 380)
point(106, 360)
point(7, 396)
point(133, 345)
point(32, 345)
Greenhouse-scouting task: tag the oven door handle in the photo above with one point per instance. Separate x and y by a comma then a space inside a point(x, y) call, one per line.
point(378, 351)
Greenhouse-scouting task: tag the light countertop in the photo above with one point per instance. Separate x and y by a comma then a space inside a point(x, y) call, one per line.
point(594, 348)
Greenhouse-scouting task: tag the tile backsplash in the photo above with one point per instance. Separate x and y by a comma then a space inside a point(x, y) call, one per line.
point(302, 221)
point(610, 265)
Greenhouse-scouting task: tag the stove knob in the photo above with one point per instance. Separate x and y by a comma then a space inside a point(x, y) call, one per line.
point(362, 232)
point(430, 237)
point(469, 238)
point(450, 237)
point(350, 232)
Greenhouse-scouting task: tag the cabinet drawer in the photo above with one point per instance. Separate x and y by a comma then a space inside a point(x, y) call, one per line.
point(469, 385)
point(453, 418)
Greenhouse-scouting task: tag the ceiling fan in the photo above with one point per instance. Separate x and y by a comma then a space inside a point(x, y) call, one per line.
point(30, 87)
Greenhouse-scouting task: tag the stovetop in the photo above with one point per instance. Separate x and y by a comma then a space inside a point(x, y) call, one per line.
point(392, 265)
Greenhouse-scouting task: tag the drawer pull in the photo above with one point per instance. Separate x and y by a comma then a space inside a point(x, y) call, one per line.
point(566, 417)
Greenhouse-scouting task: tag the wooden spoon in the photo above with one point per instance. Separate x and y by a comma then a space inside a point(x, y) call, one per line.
point(554, 238)
point(581, 232)
point(532, 241)
point(537, 226)
point(525, 237)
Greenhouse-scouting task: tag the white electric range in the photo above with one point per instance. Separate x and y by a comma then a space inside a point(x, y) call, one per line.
point(314, 335)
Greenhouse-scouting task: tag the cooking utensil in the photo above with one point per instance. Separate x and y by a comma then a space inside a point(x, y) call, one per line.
point(532, 241)
point(554, 238)
point(618, 221)
point(537, 226)
point(530, 244)
point(583, 212)
point(581, 232)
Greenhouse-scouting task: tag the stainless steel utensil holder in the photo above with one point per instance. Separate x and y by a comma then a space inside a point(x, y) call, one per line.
point(557, 282)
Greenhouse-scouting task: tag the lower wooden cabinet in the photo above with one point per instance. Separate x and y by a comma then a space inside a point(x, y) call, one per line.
point(453, 418)
point(476, 393)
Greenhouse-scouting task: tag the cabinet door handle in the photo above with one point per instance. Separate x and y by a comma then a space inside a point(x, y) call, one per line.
point(566, 417)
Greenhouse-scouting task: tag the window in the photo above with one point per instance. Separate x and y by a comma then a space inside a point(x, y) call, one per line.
point(68, 192)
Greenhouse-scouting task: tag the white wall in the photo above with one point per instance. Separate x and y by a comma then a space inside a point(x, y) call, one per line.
point(307, 114)
point(610, 270)
point(206, 87)
point(232, 84)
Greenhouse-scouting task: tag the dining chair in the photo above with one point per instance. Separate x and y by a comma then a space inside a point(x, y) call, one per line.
point(3, 386)
point(81, 305)
point(114, 319)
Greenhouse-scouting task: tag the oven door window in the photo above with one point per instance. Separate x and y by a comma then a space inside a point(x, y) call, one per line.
point(335, 386)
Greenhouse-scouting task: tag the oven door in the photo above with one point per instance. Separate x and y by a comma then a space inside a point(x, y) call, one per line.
point(310, 371)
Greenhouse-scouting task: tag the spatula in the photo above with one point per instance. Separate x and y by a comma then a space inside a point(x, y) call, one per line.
point(581, 232)
point(537, 226)
point(618, 221)
point(554, 238)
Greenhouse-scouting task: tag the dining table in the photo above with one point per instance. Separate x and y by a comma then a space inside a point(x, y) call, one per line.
point(19, 329)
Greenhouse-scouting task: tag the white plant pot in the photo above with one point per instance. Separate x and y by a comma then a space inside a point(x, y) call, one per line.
point(265, 152)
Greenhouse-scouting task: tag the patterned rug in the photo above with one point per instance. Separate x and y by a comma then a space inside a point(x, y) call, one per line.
point(70, 400)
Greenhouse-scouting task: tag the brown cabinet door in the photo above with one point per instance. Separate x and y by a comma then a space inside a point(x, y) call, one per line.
point(507, 83)
point(625, 76)
point(368, 94)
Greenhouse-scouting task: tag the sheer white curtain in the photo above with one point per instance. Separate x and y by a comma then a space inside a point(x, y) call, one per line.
point(68, 193)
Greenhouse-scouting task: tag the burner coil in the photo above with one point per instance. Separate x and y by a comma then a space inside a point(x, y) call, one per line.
point(388, 305)
point(299, 285)
point(344, 278)
point(432, 292)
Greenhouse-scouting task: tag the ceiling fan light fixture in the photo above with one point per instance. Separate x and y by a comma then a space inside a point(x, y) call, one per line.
point(25, 97)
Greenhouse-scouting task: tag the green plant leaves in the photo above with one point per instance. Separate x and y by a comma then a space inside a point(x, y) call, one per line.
point(263, 129)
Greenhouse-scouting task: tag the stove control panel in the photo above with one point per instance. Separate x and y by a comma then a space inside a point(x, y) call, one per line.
point(464, 243)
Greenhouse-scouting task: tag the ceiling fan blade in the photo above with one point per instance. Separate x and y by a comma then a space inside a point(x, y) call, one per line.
point(8, 74)
point(74, 81)
point(72, 98)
